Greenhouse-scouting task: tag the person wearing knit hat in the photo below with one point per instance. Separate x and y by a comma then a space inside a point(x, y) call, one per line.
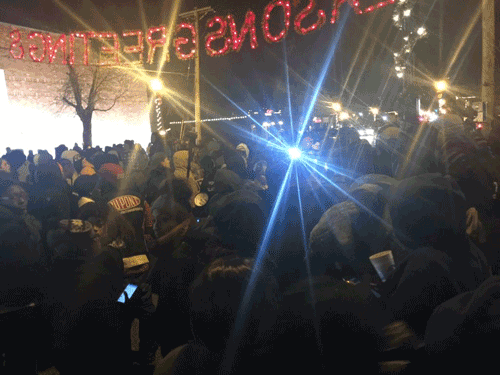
point(69, 155)
point(349, 232)
point(42, 157)
point(387, 138)
point(16, 159)
point(59, 150)
point(244, 151)
point(87, 168)
point(4, 166)
point(111, 172)
point(428, 213)
point(461, 333)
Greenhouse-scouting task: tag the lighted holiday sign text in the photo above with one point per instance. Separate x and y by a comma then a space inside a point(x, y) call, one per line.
point(223, 32)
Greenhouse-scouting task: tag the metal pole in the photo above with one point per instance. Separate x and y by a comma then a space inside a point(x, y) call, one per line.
point(441, 33)
point(197, 99)
point(197, 14)
point(488, 72)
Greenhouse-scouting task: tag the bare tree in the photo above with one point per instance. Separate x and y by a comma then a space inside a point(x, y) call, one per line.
point(93, 89)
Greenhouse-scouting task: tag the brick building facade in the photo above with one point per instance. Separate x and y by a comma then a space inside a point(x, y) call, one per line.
point(33, 115)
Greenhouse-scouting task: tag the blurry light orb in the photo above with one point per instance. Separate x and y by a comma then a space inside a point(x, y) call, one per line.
point(374, 111)
point(433, 116)
point(343, 116)
point(162, 132)
point(407, 13)
point(385, 118)
point(421, 31)
point(441, 85)
point(156, 84)
point(337, 107)
point(294, 153)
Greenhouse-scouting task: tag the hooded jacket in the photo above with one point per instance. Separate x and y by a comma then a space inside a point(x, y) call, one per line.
point(88, 168)
point(180, 165)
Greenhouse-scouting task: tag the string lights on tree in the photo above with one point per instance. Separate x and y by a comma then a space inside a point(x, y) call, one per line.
point(401, 17)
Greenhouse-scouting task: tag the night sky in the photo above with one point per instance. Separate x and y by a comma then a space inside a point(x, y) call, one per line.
point(257, 78)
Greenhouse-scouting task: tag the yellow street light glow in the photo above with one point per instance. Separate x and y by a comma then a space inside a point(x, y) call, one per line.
point(337, 107)
point(407, 13)
point(421, 31)
point(343, 116)
point(441, 86)
point(156, 84)
point(374, 111)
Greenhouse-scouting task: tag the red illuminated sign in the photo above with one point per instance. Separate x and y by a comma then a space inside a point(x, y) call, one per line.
point(228, 37)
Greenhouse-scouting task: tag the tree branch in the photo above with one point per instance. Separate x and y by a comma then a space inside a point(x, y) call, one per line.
point(112, 105)
point(93, 91)
point(73, 80)
point(65, 100)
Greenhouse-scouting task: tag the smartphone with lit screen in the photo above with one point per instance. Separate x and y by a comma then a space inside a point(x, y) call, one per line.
point(130, 290)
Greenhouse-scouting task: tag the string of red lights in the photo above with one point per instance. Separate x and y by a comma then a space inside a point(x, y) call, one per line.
point(43, 47)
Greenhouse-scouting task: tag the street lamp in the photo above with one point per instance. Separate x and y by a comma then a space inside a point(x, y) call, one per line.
point(343, 116)
point(441, 86)
point(337, 107)
point(156, 85)
point(374, 111)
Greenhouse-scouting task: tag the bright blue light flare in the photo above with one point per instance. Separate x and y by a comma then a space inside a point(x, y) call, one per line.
point(294, 153)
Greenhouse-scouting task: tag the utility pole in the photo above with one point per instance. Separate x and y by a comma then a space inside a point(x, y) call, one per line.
point(441, 33)
point(488, 72)
point(197, 15)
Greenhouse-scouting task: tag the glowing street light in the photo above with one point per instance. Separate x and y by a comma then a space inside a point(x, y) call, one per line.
point(343, 116)
point(294, 153)
point(441, 86)
point(156, 85)
point(374, 111)
point(337, 107)
point(421, 31)
point(407, 13)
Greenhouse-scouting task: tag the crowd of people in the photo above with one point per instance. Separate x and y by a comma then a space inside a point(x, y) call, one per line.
point(266, 272)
